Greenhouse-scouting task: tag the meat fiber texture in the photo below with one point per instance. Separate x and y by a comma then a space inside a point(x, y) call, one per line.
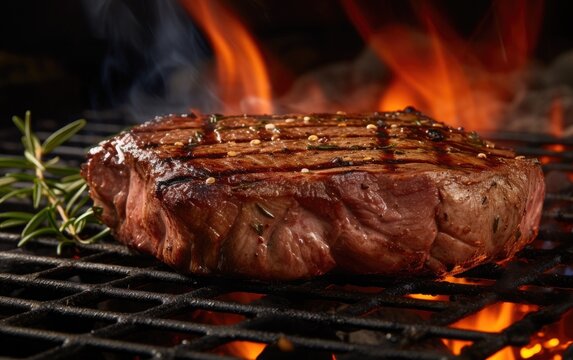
point(281, 197)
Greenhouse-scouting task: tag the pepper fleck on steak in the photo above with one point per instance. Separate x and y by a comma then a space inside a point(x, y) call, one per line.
point(295, 196)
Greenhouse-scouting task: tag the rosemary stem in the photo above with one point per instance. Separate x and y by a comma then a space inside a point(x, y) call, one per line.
point(53, 201)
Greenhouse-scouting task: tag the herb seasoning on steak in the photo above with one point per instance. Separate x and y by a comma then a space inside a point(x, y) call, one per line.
point(295, 196)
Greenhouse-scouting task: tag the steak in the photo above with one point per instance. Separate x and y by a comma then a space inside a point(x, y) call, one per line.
point(295, 196)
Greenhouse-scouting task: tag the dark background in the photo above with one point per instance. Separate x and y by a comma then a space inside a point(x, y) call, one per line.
point(53, 57)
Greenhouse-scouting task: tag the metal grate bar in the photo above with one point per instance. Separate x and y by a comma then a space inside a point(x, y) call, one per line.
point(104, 299)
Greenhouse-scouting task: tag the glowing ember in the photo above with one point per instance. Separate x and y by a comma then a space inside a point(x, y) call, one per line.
point(527, 352)
point(426, 297)
point(242, 349)
point(545, 345)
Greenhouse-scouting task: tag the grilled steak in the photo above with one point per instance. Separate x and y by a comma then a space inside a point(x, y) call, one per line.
point(294, 196)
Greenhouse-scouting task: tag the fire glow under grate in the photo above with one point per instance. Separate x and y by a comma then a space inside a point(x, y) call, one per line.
point(105, 302)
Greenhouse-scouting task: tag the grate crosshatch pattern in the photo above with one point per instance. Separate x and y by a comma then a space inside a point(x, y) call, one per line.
point(104, 301)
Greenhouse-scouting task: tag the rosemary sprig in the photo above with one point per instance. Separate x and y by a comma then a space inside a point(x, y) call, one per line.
point(57, 193)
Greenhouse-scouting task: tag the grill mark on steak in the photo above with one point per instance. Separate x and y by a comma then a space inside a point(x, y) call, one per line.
point(383, 137)
point(324, 160)
point(387, 165)
point(388, 146)
point(411, 138)
point(301, 131)
point(210, 133)
point(383, 143)
point(348, 165)
point(222, 167)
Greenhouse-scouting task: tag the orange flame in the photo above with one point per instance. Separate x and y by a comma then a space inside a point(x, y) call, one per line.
point(556, 128)
point(547, 344)
point(445, 75)
point(494, 318)
point(497, 317)
point(244, 84)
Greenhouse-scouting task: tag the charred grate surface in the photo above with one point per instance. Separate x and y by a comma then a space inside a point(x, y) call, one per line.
point(103, 301)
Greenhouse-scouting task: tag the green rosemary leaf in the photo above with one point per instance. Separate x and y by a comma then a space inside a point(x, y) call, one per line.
point(52, 220)
point(97, 236)
point(75, 197)
point(12, 223)
point(35, 222)
point(79, 206)
point(62, 135)
point(43, 231)
point(37, 193)
point(51, 193)
point(72, 177)
point(14, 163)
point(36, 142)
point(80, 225)
point(21, 176)
point(7, 180)
point(62, 171)
point(83, 219)
point(14, 193)
point(28, 140)
point(66, 224)
point(54, 185)
point(61, 245)
point(32, 159)
point(19, 123)
point(73, 186)
point(89, 212)
point(21, 215)
point(51, 162)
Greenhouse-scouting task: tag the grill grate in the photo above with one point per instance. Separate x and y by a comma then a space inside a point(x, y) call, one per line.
point(103, 301)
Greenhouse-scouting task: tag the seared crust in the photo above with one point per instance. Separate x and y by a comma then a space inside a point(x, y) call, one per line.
point(294, 196)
